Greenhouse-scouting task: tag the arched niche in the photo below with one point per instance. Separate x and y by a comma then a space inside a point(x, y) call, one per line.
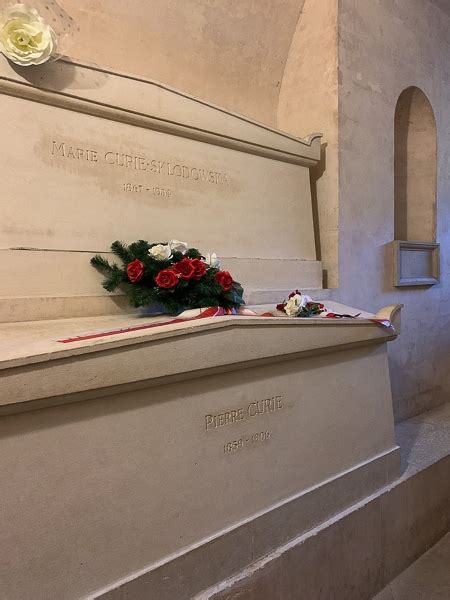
point(416, 254)
point(415, 168)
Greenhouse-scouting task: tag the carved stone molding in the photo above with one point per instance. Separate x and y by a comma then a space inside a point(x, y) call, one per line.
point(416, 263)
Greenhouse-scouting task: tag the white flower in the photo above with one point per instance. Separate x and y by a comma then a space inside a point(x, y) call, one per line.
point(291, 307)
point(213, 260)
point(295, 304)
point(25, 38)
point(160, 251)
point(177, 246)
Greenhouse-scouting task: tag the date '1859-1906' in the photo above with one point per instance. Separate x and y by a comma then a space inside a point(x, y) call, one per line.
point(246, 442)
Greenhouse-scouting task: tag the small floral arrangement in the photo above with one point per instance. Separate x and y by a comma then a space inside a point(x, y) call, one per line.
point(25, 38)
point(170, 274)
point(300, 305)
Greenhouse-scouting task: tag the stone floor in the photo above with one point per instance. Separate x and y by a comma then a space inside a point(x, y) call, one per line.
point(424, 439)
point(428, 578)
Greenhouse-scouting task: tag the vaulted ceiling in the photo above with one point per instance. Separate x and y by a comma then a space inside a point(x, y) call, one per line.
point(231, 52)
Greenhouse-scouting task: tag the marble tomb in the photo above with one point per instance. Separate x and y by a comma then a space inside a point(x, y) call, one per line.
point(161, 461)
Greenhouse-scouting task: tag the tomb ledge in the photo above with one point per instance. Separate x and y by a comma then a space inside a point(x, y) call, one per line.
point(37, 368)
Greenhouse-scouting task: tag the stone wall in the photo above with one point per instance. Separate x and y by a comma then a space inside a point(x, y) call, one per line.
point(385, 47)
point(309, 102)
point(272, 60)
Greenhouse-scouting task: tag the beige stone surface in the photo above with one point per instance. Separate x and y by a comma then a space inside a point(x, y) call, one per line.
point(150, 104)
point(374, 70)
point(61, 283)
point(262, 76)
point(415, 167)
point(380, 537)
point(426, 579)
point(138, 442)
point(255, 539)
point(200, 46)
point(309, 96)
point(274, 64)
point(232, 340)
point(150, 473)
point(115, 157)
point(79, 169)
point(416, 263)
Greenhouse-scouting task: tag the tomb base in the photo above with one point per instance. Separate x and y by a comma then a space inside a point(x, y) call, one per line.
point(191, 449)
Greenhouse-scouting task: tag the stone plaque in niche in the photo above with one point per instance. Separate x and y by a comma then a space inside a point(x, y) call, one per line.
point(416, 263)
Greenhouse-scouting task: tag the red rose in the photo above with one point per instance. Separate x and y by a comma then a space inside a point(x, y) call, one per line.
point(199, 268)
point(185, 268)
point(135, 270)
point(225, 280)
point(166, 279)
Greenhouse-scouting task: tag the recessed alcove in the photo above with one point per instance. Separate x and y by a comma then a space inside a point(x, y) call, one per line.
point(415, 170)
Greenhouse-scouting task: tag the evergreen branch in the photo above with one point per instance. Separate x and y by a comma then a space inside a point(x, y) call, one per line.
point(122, 251)
point(113, 279)
point(113, 274)
point(100, 263)
point(139, 250)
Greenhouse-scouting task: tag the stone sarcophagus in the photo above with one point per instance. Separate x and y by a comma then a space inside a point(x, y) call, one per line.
point(153, 462)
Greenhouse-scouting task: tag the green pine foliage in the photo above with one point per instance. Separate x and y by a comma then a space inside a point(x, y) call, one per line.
point(311, 309)
point(185, 294)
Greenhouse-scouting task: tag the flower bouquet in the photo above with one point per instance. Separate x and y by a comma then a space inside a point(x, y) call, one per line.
point(300, 305)
point(169, 274)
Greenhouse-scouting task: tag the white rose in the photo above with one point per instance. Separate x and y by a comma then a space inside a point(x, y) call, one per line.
point(160, 251)
point(25, 38)
point(291, 307)
point(295, 304)
point(177, 246)
point(213, 260)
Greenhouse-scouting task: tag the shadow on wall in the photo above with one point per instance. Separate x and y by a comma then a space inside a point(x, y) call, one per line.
point(52, 76)
point(315, 174)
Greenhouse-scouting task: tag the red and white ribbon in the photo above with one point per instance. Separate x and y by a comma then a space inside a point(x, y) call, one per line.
point(194, 315)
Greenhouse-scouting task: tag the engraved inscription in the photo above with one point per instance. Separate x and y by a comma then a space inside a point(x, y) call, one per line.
point(66, 151)
point(133, 187)
point(159, 191)
point(156, 190)
point(253, 409)
point(152, 166)
point(246, 442)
